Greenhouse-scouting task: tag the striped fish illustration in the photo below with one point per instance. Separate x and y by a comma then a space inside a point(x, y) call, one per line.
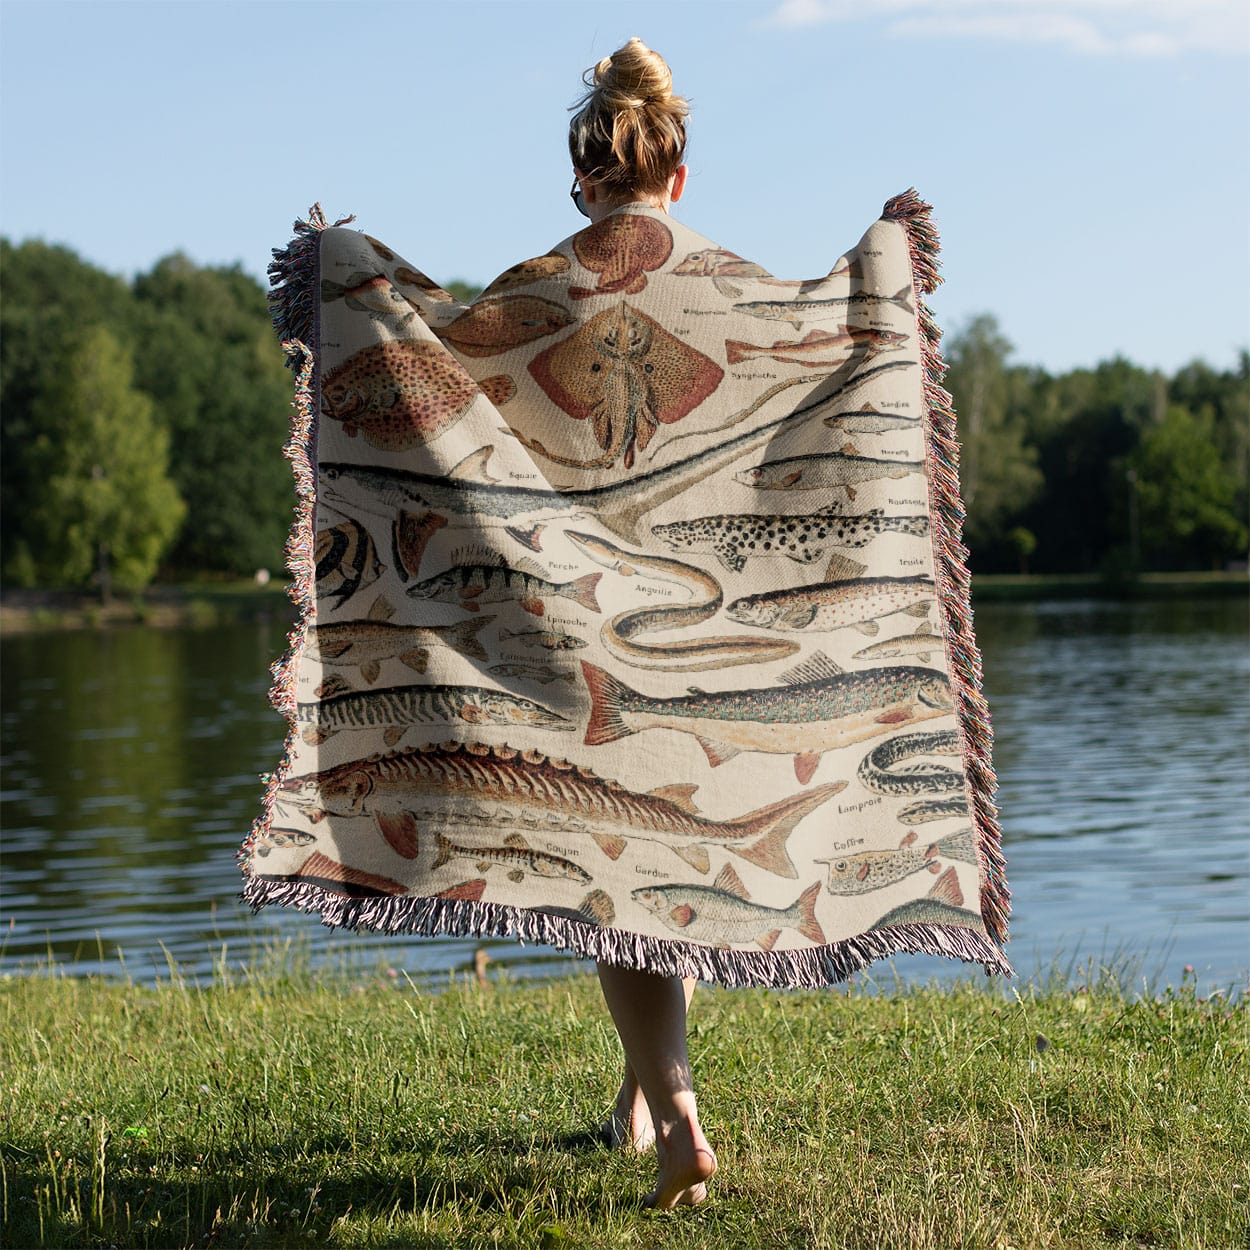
point(471, 585)
point(398, 707)
point(879, 768)
point(476, 784)
point(516, 854)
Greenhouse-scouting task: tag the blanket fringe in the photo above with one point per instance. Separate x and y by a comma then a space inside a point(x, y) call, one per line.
point(954, 581)
point(785, 969)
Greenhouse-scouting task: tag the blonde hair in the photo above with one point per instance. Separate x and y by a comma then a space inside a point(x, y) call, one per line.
point(629, 132)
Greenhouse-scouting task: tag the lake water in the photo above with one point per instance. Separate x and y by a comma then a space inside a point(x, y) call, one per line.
point(130, 762)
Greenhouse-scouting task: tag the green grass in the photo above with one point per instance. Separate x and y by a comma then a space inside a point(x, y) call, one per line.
point(287, 1109)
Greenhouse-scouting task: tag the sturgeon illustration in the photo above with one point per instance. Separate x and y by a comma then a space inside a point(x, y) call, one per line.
point(818, 709)
point(477, 784)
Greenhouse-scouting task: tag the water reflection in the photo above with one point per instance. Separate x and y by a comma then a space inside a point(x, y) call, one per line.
point(131, 758)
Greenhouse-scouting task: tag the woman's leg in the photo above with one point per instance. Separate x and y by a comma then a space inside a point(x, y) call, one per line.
point(650, 1015)
point(629, 1123)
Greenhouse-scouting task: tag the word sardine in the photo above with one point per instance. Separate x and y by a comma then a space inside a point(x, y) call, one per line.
point(735, 539)
point(722, 913)
point(819, 709)
point(530, 790)
point(830, 605)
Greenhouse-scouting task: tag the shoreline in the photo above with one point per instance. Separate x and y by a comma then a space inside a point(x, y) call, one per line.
point(202, 604)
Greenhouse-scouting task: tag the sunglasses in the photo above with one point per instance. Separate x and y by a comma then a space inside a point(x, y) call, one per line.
point(576, 196)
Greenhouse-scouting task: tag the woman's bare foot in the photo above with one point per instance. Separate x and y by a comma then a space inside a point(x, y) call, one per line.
point(686, 1165)
point(629, 1126)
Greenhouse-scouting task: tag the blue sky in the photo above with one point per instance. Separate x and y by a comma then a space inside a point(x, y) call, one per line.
point(1088, 160)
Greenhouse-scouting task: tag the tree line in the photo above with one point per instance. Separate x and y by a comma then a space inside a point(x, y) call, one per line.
point(143, 423)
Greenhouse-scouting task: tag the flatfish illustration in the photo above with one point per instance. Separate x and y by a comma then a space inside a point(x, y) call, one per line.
point(722, 912)
point(372, 293)
point(547, 266)
point(944, 904)
point(799, 311)
point(471, 584)
point(734, 539)
point(823, 470)
point(498, 324)
point(407, 276)
point(516, 855)
point(626, 375)
point(346, 561)
point(923, 644)
point(402, 393)
point(882, 769)
point(395, 708)
point(501, 786)
point(874, 870)
point(818, 349)
point(621, 249)
point(817, 709)
point(856, 602)
point(367, 643)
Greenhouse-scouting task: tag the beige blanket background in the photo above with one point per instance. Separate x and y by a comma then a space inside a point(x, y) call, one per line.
point(634, 615)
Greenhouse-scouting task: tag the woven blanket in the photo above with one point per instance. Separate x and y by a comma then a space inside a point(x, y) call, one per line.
point(634, 615)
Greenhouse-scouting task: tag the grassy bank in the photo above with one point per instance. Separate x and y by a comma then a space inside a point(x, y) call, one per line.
point(290, 1111)
point(213, 603)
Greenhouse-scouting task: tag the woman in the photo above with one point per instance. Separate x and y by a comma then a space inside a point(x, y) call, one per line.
point(628, 141)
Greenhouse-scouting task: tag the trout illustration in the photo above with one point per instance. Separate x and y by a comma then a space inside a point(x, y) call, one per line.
point(922, 644)
point(497, 785)
point(857, 602)
point(818, 709)
point(722, 912)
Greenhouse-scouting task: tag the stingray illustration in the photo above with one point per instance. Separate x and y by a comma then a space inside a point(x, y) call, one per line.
point(404, 393)
point(627, 375)
point(621, 249)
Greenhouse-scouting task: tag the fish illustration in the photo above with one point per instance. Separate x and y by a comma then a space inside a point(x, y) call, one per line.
point(379, 247)
point(722, 912)
point(942, 905)
point(465, 892)
point(395, 708)
point(868, 420)
point(528, 271)
point(472, 584)
point(528, 791)
point(734, 539)
point(346, 561)
point(335, 878)
point(516, 853)
point(402, 393)
point(281, 839)
point(371, 293)
point(531, 672)
point(498, 324)
point(797, 311)
point(857, 602)
point(368, 642)
point(596, 908)
point(925, 810)
point(818, 349)
point(823, 470)
point(410, 535)
point(548, 639)
point(878, 769)
point(817, 709)
point(621, 249)
point(874, 870)
point(924, 643)
point(407, 276)
point(620, 504)
point(627, 375)
point(720, 265)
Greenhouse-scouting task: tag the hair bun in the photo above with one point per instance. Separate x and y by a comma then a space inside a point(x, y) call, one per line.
point(634, 76)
